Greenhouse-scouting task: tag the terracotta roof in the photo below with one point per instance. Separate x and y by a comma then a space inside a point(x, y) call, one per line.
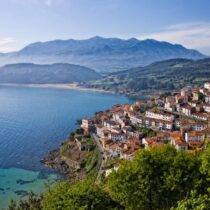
point(200, 114)
point(114, 146)
point(99, 126)
point(162, 135)
point(178, 139)
point(160, 113)
point(88, 119)
point(158, 120)
point(195, 143)
point(195, 133)
point(156, 144)
point(106, 131)
point(105, 140)
point(187, 106)
point(139, 103)
point(117, 134)
point(206, 105)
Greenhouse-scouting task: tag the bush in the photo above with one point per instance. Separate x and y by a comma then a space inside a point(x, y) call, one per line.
point(156, 179)
point(81, 195)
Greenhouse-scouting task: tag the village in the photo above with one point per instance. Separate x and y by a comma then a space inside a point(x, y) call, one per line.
point(181, 119)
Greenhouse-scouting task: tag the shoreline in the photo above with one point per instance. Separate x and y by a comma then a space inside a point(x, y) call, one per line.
point(68, 86)
point(76, 86)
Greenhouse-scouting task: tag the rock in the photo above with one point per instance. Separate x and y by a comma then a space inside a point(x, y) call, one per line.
point(22, 193)
point(22, 182)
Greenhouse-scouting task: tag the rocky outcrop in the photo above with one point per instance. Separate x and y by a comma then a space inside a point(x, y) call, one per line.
point(68, 164)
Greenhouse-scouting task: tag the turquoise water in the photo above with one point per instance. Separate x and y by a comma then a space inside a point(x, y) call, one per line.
point(16, 183)
point(34, 121)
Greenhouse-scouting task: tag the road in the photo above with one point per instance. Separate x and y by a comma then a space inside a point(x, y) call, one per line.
point(101, 159)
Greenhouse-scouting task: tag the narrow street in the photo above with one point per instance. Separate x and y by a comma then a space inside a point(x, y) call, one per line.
point(101, 159)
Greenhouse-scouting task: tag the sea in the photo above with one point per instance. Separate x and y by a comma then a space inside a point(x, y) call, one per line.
point(34, 121)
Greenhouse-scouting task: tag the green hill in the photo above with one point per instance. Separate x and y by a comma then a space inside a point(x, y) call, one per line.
point(28, 73)
point(164, 76)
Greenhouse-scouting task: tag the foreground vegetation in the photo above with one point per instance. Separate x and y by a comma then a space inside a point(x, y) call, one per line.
point(157, 179)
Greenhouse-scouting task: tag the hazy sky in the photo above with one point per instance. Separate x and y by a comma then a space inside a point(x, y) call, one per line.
point(178, 21)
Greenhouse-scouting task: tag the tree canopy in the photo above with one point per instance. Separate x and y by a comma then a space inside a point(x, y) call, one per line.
point(81, 195)
point(157, 179)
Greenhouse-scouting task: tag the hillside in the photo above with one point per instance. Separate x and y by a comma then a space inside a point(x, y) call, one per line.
point(102, 54)
point(164, 76)
point(27, 73)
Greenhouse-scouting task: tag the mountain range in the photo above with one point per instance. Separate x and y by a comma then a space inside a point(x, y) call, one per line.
point(28, 73)
point(101, 54)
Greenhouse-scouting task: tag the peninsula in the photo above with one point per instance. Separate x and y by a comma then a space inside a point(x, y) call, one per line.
point(102, 143)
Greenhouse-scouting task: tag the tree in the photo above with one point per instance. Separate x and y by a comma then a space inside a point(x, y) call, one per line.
point(81, 195)
point(156, 179)
point(205, 166)
point(194, 203)
point(205, 161)
point(32, 203)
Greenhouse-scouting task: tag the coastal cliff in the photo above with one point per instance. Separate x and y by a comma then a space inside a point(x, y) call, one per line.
point(71, 161)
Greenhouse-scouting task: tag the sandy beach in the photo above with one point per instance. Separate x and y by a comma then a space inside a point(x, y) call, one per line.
point(72, 86)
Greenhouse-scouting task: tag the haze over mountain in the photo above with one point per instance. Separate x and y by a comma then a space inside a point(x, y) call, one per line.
point(28, 73)
point(102, 54)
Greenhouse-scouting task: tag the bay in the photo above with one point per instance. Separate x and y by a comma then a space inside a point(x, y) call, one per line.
point(34, 121)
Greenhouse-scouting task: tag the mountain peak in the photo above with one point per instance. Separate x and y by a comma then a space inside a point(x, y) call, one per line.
point(96, 38)
point(104, 54)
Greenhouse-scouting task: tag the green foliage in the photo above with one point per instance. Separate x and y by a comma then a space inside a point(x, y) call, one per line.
point(165, 76)
point(92, 161)
point(111, 162)
point(64, 148)
point(81, 195)
point(32, 203)
point(30, 73)
point(201, 96)
point(147, 131)
point(205, 161)
point(194, 203)
point(87, 135)
point(156, 179)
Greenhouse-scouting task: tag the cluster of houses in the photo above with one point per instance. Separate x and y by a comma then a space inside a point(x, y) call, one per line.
point(181, 119)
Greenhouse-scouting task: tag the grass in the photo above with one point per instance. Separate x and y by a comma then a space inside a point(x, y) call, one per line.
point(92, 161)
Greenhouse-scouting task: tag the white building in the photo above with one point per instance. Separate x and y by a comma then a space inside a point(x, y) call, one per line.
point(207, 85)
point(159, 115)
point(117, 136)
point(206, 107)
point(194, 136)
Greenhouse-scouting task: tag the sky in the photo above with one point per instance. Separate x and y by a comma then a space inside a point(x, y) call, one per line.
point(186, 22)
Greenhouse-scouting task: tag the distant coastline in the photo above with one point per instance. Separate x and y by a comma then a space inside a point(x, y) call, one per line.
point(77, 86)
point(72, 86)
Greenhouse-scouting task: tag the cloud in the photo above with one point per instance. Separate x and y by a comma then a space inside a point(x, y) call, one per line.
point(191, 35)
point(8, 44)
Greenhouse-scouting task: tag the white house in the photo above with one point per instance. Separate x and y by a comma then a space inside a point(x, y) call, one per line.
point(159, 115)
point(207, 85)
point(178, 141)
point(87, 124)
point(200, 116)
point(117, 136)
point(187, 110)
point(194, 136)
point(206, 107)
